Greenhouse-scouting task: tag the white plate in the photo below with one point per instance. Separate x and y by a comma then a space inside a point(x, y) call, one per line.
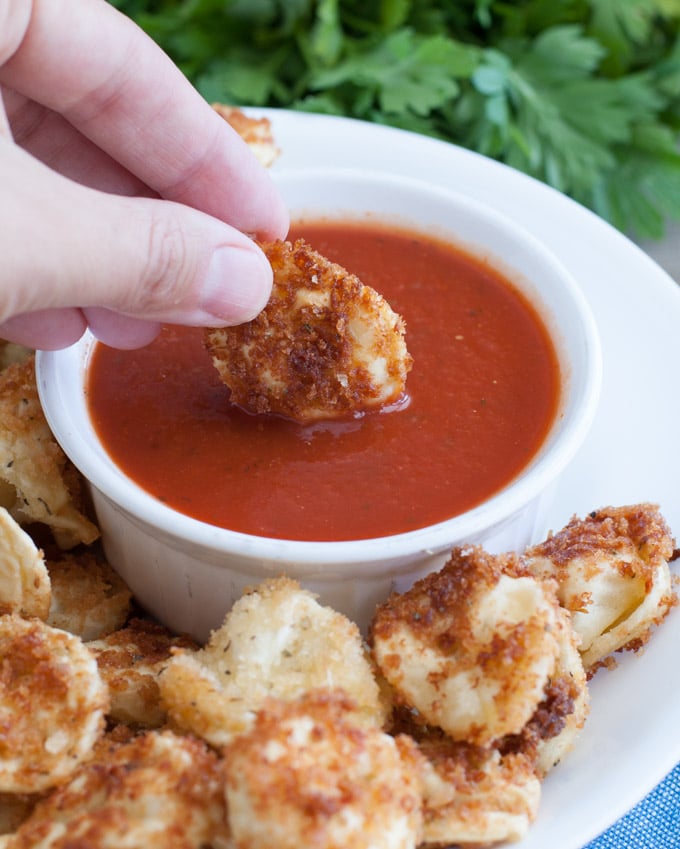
point(632, 737)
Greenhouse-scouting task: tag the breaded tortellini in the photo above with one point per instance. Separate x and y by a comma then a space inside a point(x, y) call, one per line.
point(130, 661)
point(255, 132)
point(88, 597)
point(12, 352)
point(551, 732)
point(612, 573)
point(24, 581)
point(326, 346)
point(276, 641)
point(52, 704)
point(470, 647)
point(158, 791)
point(14, 809)
point(37, 482)
point(473, 794)
point(306, 775)
point(561, 716)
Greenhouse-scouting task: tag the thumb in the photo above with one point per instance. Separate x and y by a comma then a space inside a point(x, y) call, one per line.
point(65, 245)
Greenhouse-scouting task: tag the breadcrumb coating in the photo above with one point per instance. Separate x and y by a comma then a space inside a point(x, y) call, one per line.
point(130, 661)
point(612, 573)
point(24, 581)
point(14, 809)
point(552, 731)
point(12, 352)
point(39, 484)
point(325, 346)
point(566, 707)
point(255, 132)
point(471, 647)
point(473, 794)
point(477, 669)
point(88, 598)
point(307, 775)
point(277, 641)
point(158, 791)
point(52, 704)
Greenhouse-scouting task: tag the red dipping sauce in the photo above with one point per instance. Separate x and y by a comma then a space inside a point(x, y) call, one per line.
point(482, 395)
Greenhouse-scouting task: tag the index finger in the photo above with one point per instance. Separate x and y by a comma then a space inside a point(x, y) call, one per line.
point(87, 61)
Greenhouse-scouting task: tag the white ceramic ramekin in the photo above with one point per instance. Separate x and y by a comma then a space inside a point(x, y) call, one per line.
point(188, 573)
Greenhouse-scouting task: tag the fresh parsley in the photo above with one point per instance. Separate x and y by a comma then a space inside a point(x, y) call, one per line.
point(582, 94)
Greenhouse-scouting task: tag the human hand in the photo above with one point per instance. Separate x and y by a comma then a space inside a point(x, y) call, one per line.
point(125, 198)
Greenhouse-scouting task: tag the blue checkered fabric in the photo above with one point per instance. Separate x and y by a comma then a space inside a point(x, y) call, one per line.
point(652, 824)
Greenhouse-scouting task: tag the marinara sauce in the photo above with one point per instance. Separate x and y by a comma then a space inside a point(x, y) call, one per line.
point(482, 394)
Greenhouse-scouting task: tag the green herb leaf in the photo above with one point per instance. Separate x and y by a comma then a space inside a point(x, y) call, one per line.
point(583, 94)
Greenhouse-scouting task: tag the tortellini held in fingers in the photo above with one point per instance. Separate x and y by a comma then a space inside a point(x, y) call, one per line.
point(326, 346)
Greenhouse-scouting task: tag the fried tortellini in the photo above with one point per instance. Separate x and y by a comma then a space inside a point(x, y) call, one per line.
point(612, 573)
point(52, 704)
point(470, 647)
point(306, 774)
point(326, 346)
point(37, 482)
point(156, 790)
point(276, 641)
point(24, 580)
point(436, 730)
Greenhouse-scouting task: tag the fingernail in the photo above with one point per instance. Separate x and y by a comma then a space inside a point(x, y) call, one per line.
point(237, 285)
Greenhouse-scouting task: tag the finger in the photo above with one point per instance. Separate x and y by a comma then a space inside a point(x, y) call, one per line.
point(46, 329)
point(5, 129)
point(64, 245)
point(120, 331)
point(50, 138)
point(51, 330)
point(125, 95)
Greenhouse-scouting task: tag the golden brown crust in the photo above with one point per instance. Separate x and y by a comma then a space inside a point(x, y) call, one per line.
point(287, 683)
point(611, 529)
point(452, 589)
point(88, 598)
point(157, 790)
point(558, 719)
point(277, 641)
point(325, 346)
point(130, 661)
point(39, 483)
point(476, 795)
point(11, 352)
point(255, 132)
point(471, 647)
point(24, 581)
point(307, 775)
point(52, 704)
point(612, 572)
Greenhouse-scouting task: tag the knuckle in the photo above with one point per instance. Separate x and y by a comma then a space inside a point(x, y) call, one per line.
point(167, 272)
